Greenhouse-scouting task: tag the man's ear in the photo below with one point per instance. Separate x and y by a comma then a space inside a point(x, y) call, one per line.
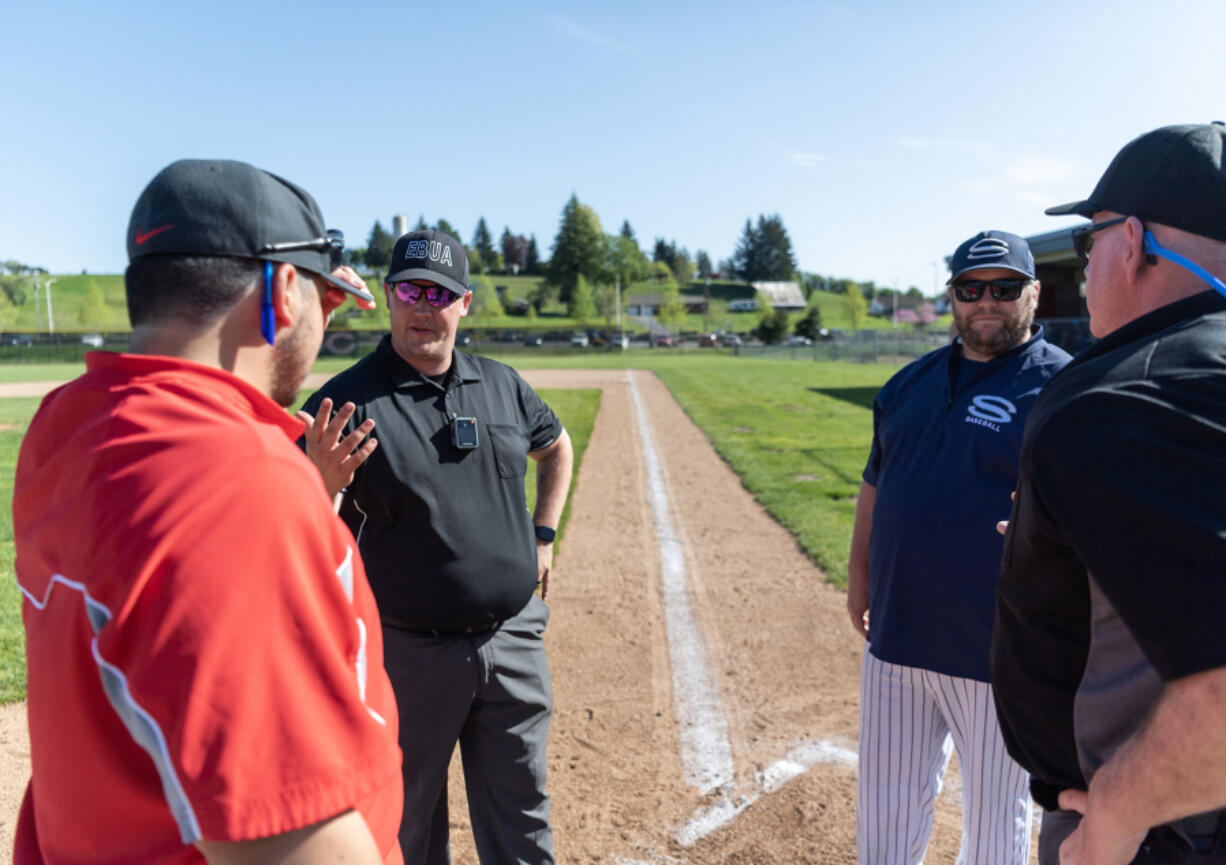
point(1134, 254)
point(465, 302)
point(286, 294)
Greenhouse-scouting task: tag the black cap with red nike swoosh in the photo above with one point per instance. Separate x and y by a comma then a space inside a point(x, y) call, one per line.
point(229, 208)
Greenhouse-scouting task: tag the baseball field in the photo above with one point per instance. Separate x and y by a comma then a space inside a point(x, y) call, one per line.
point(705, 674)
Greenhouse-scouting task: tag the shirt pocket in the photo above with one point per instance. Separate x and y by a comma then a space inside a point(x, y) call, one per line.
point(510, 448)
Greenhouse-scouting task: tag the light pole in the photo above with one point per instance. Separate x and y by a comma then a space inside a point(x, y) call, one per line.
point(50, 317)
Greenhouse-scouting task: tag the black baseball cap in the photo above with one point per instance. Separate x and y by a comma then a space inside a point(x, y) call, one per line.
point(432, 255)
point(228, 208)
point(1173, 175)
point(992, 249)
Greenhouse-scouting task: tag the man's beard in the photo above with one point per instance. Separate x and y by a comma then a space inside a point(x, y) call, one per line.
point(1013, 329)
point(291, 364)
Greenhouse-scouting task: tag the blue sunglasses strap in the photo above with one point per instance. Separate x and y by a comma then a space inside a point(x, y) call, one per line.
point(266, 319)
point(1154, 248)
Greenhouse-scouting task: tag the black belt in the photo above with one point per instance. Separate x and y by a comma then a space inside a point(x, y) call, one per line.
point(439, 632)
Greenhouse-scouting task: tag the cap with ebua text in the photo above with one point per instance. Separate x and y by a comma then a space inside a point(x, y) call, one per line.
point(992, 249)
point(1174, 176)
point(431, 255)
point(228, 208)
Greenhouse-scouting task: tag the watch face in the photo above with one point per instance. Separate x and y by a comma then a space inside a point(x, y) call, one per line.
point(545, 533)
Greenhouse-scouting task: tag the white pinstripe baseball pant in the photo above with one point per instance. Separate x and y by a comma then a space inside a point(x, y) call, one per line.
point(910, 719)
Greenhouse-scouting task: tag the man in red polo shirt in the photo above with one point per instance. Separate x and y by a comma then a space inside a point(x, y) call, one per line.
point(205, 659)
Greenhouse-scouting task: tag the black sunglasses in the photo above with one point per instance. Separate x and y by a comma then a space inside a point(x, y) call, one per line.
point(970, 290)
point(1083, 238)
point(333, 242)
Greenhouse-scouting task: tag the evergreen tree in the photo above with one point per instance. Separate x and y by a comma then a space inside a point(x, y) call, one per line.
point(446, 227)
point(483, 242)
point(703, 262)
point(627, 232)
point(379, 248)
point(582, 305)
point(811, 324)
point(764, 252)
point(578, 249)
point(532, 258)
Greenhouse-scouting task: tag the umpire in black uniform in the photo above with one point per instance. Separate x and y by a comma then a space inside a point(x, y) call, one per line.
point(452, 553)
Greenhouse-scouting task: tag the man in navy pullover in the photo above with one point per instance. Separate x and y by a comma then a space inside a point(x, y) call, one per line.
point(947, 431)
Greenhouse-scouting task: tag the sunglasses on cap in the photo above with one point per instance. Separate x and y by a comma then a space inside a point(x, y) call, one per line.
point(1004, 290)
point(1083, 238)
point(333, 242)
point(437, 296)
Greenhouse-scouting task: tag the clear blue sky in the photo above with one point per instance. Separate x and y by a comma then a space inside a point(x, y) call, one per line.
point(883, 133)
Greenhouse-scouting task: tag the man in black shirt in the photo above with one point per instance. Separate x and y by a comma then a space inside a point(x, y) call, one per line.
point(452, 553)
point(1108, 660)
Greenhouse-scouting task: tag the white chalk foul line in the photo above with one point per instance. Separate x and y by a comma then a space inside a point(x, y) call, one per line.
point(706, 754)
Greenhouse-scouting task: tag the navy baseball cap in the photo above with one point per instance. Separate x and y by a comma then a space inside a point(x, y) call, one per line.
point(1173, 175)
point(432, 255)
point(228, 208)
point(992, 249)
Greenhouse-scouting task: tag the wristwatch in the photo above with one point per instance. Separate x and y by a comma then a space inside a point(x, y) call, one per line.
point(545, 534)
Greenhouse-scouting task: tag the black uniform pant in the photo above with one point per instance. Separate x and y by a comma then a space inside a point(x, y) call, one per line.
point(491, 693)
point(1201, 841)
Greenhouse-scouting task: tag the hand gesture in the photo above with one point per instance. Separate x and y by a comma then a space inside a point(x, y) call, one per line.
point(336, 460)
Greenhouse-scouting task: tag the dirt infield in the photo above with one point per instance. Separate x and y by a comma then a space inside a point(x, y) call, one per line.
point(746, 756)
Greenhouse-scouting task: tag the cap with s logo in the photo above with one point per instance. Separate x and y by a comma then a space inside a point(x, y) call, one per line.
point(992, 249)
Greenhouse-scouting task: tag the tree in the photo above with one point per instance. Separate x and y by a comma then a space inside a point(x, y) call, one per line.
point(773, 327)
point(379, 248)
point(672, 308)
point(764, 252)
point(485, 303)
point(532, 258)
point(578, 250)
point(421, 223)
point(582, 305)
point(475, 263)
point(811, 324)
point(626, 261)
point(854, 305)
point(627, 232)
point(703, 262)
point(514, 251)
point(664, 251)
point(446, 227)
point(683, 268)
point(483, 242)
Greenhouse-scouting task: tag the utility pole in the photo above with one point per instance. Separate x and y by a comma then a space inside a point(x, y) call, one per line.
point(50, 317)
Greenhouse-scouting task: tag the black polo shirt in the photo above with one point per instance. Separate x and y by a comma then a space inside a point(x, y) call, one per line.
point(445, 533)
point(1112, 577)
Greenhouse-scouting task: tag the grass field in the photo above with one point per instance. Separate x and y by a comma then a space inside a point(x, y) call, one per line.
point(576, 408)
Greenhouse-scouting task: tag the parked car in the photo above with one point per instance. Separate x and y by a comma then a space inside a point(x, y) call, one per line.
point(580, 340)
point(730, 340)
point(93, 340)
point(797, 339)
point(664, 340)
point(533, 340)
point(17, 339)
point(708, 340)
point(463, 339)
